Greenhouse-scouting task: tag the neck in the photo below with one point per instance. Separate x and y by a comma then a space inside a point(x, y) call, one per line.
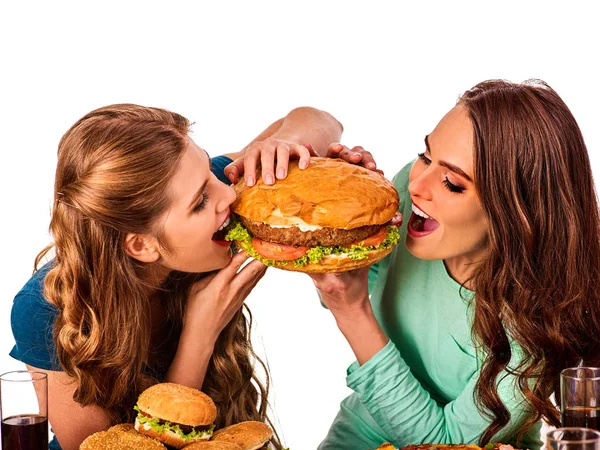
point(155, 275)
point(462, 267)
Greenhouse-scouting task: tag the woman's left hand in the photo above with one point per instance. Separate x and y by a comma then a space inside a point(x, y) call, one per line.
point(354, 155)
point(345, 294)
point(273, 155)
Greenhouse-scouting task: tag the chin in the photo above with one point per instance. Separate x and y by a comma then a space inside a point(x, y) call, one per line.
point(420, 250)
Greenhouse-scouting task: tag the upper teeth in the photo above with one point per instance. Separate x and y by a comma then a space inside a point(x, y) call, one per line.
point(224, 224)
point(418, 212)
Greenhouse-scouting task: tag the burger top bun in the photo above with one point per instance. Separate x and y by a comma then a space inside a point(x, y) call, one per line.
point(328, 193)
point(213, 445)
point(120, 439)
point(249, 435)
point(124, 427)
point(177, 403)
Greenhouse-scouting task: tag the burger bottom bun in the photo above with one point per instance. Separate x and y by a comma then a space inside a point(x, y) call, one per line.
point(335, 264)
point(167, 436)
point(249, 435)
point(120, 440)
point(213, 445)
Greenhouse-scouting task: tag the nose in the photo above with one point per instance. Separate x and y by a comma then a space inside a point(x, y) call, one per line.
point(420, 183)
point(226, 197)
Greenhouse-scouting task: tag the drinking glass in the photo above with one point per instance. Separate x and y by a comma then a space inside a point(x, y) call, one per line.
point(580, 397)
point(573, 438)
point(24, 410)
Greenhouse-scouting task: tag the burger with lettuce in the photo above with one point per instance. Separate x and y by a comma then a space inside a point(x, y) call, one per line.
point(174, 414)
point(332, 216)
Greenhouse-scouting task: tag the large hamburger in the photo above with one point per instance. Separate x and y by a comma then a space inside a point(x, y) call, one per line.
point(332, 216)
point(175, 414)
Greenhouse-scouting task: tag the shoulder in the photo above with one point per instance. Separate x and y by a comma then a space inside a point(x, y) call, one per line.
point(218, 164)
point(32, 320)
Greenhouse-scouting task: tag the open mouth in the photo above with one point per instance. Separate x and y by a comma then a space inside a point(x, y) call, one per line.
point(219, 235)
point(420, 223)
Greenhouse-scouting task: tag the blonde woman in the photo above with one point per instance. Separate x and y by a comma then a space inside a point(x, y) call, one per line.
point(127, 301)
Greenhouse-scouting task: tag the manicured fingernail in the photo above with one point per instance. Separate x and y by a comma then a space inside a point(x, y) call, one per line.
point(371, 165)
point(281, 173)
point(303, 164)
point(269, 179)
point(231, 177)
point(249, 181)
point(356, 155)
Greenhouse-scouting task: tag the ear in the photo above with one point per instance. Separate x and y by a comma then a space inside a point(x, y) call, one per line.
point(142, 247)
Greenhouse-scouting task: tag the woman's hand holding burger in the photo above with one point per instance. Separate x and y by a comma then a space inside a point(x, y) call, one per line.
point(273, 156)
point(212, 303)
point(346, 296)
point(214, 300)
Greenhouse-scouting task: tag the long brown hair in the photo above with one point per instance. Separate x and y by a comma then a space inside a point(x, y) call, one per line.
point(540, 282)
point(113, 168)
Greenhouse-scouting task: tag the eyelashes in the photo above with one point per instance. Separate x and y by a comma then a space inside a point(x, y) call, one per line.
point(202, 204)
point(424, 158)
point(452, 187)
point(447, 184)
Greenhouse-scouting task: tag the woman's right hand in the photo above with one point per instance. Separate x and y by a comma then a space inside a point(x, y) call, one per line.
point(347, 297)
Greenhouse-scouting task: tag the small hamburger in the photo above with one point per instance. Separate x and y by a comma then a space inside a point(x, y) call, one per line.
point(332, 216)
point(175, 414)
point(120, 438)
point(249, 435)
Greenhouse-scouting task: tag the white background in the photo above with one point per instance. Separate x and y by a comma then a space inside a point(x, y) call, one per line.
point(387, 70)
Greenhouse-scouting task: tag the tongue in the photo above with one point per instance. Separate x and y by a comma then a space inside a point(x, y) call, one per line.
point(430, 225)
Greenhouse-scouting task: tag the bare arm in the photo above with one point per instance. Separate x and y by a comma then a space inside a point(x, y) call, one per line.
point(303, 125)
point(70, 421)
point(303, 132)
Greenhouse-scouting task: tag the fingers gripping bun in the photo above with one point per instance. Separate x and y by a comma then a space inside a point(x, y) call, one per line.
point(329, 193)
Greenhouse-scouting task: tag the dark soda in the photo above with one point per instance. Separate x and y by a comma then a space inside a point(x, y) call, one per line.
point(582, 418)
point(25, 432)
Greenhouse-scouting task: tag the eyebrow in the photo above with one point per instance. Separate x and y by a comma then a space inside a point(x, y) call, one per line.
point(447, 165)
point(201, 190)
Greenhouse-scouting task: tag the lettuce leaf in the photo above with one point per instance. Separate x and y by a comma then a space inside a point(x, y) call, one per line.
point(154, 423)
point(314, 255)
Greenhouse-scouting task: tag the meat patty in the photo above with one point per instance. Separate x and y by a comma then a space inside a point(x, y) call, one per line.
point(323, 236)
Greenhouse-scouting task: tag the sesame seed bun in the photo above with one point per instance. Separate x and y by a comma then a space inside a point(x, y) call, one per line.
point(120, 440)
point(177, 403)
point(249, 435)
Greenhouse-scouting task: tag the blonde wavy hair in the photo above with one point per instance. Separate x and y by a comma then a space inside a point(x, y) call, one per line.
point(113, 168)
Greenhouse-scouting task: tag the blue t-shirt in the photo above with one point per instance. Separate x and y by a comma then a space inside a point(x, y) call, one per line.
point(32, 317)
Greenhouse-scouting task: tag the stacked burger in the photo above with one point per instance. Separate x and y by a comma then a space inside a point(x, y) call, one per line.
point(332, 216)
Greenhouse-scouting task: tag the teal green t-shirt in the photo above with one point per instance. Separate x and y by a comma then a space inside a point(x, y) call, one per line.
point(419, 388)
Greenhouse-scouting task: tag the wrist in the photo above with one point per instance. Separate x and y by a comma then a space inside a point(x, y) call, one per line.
point(199, 332)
